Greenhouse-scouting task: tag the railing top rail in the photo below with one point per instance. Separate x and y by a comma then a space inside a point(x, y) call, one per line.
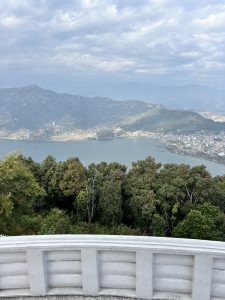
point(156, 244)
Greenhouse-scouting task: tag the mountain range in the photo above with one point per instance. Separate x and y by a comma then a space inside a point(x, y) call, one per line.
point(191, 96)
point(34, 108)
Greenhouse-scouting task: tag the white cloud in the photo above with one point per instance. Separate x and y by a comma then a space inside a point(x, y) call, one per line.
point(190, 54)
point(213, 20)
point(89, 3)
point(80, 60)
point(11, 22)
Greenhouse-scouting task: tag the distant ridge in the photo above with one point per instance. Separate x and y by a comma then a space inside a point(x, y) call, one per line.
point(190, 96)
point(34, 108)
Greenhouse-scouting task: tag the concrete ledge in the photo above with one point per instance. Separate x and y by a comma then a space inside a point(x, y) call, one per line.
point(69, 298)
point(111, 267)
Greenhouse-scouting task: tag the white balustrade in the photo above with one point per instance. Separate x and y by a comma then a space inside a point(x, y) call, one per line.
point(140, 267)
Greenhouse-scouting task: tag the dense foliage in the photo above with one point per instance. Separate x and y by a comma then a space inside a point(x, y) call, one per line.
point(148, 199)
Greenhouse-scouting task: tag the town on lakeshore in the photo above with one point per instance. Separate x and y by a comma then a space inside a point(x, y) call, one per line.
point(209, 146)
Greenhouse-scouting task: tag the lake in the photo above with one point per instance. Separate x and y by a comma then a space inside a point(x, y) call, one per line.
point(122, 150)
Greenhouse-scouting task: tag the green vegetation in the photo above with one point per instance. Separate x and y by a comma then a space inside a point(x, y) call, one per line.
point(176, 121)
point(149, 199)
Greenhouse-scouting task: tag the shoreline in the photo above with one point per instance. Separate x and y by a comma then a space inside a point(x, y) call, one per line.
point(162, 144)
point(203, 156)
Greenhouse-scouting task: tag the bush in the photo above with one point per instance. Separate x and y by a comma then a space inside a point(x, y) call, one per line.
point(56, 222)
point(95, 228)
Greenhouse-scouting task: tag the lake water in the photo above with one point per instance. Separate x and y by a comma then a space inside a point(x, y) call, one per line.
point(124, 151)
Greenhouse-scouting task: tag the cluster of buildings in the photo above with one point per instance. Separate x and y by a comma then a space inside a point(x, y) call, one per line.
point(210, 146)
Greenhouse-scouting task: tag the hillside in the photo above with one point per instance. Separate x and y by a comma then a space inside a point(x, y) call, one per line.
point(34, 108)
point(177, 121)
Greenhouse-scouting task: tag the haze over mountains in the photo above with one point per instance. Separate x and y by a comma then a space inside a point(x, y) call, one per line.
point(192, 96)
point(34, 108)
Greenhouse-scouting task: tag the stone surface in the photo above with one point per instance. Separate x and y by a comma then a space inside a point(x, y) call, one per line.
point(61, 266)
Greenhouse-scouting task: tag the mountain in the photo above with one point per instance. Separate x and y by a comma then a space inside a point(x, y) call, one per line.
point(192, 97)
point(34, 108)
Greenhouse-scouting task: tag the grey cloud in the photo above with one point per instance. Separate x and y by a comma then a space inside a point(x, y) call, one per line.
point(139, 38)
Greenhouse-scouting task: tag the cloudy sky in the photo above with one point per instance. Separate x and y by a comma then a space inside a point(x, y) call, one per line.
point(78, 45)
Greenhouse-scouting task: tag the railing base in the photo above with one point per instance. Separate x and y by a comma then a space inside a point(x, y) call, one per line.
point(76, 297)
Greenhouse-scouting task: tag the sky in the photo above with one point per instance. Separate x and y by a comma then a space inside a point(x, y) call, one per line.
point(90, 45)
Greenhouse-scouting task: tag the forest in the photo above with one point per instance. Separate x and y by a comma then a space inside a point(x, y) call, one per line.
point(62, 197)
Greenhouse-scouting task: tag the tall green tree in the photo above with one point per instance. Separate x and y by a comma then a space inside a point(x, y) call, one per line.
point(206, 221)
point(110, 205)
point(179, 189)
point(218, 186)
point(72, 181)
point(51, 172)
point(87, 199)
point(140, 193)
point(18, 189)
point(102, 198)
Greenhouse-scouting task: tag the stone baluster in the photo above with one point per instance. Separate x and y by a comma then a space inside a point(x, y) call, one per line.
point(202, 277)
point(144, 274)
point(90, 274)
point(37, 272)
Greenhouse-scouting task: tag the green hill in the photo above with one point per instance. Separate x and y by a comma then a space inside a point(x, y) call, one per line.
point(176, 121)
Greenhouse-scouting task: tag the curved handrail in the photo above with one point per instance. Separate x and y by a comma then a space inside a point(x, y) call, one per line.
point(126, 242)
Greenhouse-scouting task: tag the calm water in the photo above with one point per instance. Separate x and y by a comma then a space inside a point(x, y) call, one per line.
point(121, 150)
